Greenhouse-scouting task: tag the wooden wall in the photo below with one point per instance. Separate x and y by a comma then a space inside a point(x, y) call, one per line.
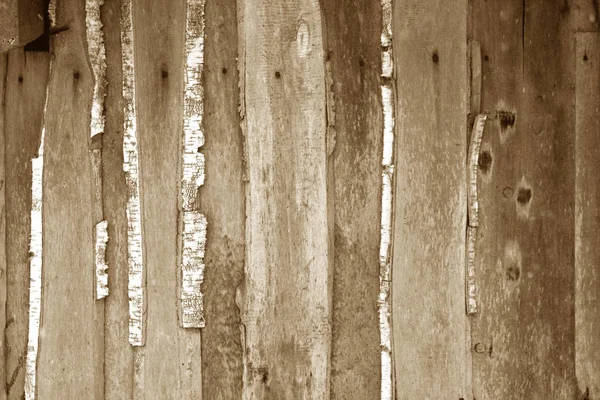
point(293, 121)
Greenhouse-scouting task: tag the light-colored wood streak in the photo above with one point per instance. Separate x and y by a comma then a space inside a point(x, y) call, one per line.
point(26, 82)
point(587, 206)
point(430, 341)
point(288, 254)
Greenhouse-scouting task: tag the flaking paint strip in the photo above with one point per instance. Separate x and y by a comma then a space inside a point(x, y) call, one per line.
point(136, 273)
point(35, 245)
point(473, 212)
point(193, 229)
point(388, 102)
point(100, 241)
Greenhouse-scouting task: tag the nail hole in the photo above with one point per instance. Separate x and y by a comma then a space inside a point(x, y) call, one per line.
point(585, 57)
point(224, 71)
point(76, 75)
point(361, 62)
point(486, 58)
point(20, 78)
point(435, 57)
point(485, 160)
point(164, 73)
point(277, 74)
point(513, 273)
point(508, 192)
point(524, 195)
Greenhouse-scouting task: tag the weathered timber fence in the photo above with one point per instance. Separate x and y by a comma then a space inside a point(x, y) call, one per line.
point(289, 197)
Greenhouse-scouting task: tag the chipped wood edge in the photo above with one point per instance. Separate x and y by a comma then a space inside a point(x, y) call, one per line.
point(388, 102)
point(137, 273)
point(193, 224)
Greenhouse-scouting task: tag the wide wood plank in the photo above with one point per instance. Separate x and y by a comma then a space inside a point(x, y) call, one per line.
point(118, 365)
point(353, 31)
point(587, 213)
point(430, 340)
point(222, 201)
point(26, 81)
point(69, 309)
point(288, 253)
point(523, 336)
point(169, 365)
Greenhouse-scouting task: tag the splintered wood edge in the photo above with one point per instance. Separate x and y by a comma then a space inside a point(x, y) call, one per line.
point(100, 240)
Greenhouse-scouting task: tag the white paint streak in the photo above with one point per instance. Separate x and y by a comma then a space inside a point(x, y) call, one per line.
point(471, 284)
point(387, 97)
point(97, 58)
point(136, 284)
point(193, 236)
point(100, 240)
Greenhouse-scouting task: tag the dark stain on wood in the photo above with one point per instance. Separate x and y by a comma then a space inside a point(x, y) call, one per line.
point(507, 119)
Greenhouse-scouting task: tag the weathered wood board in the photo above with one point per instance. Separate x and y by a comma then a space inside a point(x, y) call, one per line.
point(523, 335)
point(26, 81)
point(288, 254)
point(169, 365)
point(354, 116)
point(587, 217)
point(3, 287)
point(222, 199)
point(21, 21)
point(430, 337)
point(118, 354)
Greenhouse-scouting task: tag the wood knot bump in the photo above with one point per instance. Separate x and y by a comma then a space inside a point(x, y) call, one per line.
point(507, 119)
point(485, 161)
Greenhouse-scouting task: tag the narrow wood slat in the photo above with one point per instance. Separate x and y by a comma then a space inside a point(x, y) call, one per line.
point(69, 323)
point(26, 82)
point(430, 337)
point(169, 365)
point(3, 288)
point(523, 336)
point(118, 365)
point(222, 200)
point(288, 253)
point(587, 205)
point(353, 32)
point(21, 21)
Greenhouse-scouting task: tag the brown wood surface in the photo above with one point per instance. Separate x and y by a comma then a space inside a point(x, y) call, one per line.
point(222, 201)
point(68, 326)
point(118, 354)
point(26, 81)
point(21, 21)
point(170, 362)
point(353, 31)
point(587, 217)
point(3, 287)
point(288, 254)
point(429, 321)
point(523, 336)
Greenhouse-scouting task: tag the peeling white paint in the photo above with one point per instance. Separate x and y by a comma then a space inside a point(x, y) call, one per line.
point(193, 231)
point(100, 240)
point(137, 281)
point(97, 58)
point(476, 136)
point(471, 284)
point(388, 102)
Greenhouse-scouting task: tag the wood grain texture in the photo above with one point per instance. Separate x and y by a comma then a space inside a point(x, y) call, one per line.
point(171, 361)
point(430, 340)
point(222, 201)
point(69, 323)
point(523, 337)
point(352, 31)
point(21, 21)
point(586, 15)
point(288, 255)
point(3, 288)
point(118, 354)
point(26, 81)
point(587, 217)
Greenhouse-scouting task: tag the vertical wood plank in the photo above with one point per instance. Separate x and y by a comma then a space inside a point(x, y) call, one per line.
point(288, 254)
point(68, 253)
point(20, 22)
point(429, 321)
point(26, 82)
point(222, 201)
point(587, 205)
point(3, 71)
point(353, 32)
point(118, 366)
point(170, 361)
point(524, 334)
